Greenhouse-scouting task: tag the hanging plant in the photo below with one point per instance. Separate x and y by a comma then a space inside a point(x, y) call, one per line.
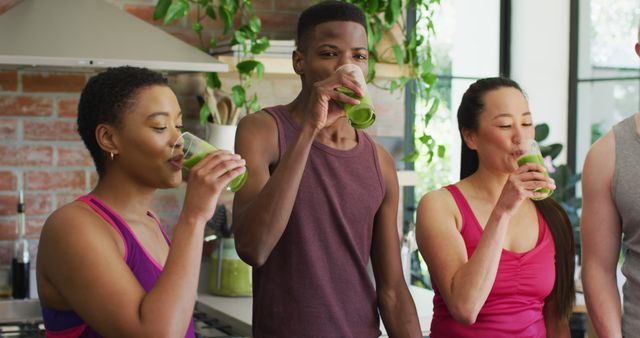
point(244, 33)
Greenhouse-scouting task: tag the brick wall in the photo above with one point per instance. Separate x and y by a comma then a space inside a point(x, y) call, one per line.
point(41, 152)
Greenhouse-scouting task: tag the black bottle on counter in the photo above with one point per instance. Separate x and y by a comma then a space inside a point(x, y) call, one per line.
point(20, 263)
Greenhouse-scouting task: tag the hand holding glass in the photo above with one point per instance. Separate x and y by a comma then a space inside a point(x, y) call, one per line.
point(195, 149)
point(532, 154)
point(362, 115)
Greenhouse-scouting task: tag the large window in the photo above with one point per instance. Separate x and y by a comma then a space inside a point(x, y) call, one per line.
point(608, 70)
point(466, 47)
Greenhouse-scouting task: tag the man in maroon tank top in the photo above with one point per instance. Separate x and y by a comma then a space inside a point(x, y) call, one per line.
point(321, 200)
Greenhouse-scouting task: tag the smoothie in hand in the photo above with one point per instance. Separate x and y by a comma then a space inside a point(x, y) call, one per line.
point(533, 155)
point(195, 149)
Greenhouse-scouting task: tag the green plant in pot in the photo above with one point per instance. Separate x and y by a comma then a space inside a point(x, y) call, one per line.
point(243, 32)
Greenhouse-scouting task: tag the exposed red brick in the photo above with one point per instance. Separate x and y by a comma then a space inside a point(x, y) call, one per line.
point(294, 5)
point(266, 4)
point(278, 22)
point(26, 106)
point(38, 204)
point(9, 80)
point(7, 232)
point(53, 82)
point(8, 130)
point(8, 204)
point(34, 227)
point(74, 156)
point(25, 155)
point(68, 106)
point(8, 181)
point(143, 13)
point(51, 131)
point(59, 180)
point(65, 198)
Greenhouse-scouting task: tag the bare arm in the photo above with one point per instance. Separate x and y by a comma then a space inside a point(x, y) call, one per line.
point(80, 257)
point(465, 282)
point(397, 309)
point(261, 209)
point(601, 232)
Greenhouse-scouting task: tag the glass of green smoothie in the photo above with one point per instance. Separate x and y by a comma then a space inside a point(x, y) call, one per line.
point(362, 115)
point(532, 154)
point(194, 149)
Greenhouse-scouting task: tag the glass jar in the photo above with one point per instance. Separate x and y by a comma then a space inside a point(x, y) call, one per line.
point(230, 276)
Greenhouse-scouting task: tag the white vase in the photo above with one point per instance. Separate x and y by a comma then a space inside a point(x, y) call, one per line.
point(221, 136)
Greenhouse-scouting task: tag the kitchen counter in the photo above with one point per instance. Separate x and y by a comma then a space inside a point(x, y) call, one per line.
point(236, 311)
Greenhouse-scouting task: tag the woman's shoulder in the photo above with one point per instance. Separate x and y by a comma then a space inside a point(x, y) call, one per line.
point(440, 205)
point(74, 218)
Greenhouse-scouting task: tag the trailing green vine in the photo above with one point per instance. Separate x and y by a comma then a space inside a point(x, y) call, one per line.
point(246, 34)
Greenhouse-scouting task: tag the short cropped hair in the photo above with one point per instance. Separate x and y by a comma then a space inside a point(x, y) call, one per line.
point(326, 11)
point(104, 100)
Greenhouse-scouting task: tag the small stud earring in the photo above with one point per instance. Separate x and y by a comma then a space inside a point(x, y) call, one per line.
point(112, 156)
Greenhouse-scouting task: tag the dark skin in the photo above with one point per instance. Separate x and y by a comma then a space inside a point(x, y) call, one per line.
point(80, 256)
point(263, 206)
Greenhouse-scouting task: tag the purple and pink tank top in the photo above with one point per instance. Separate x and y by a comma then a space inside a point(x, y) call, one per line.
point(515, 303)
point(67, 324)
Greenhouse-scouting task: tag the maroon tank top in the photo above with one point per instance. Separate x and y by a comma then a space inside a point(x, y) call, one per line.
point(315, 282)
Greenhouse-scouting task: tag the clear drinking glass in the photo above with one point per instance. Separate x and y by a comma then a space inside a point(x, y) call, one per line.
point(195, 149)
point(532, 154)
point(362, 115)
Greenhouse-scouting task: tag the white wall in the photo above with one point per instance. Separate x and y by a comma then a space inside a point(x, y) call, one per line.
point(540, 61)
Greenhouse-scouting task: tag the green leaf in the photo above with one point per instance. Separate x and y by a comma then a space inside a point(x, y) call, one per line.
point(226, 17)
point(254, 106)
point(211, 12)
point(425, 139)
point(372, 69)
point(552, 150)
point(260, 45)
point(247, 66)
point(393, 86)
point(213, 81)
point(161, 9)
point(260, 70)
point(196, 27)
point(392, 12)
point(441, 150)
point(254, 24)
point(542, 132)
point(176, 11)
point(411, 157)
point(204, 113)
point(238, 95)
point(239, 36)
point(397, 52)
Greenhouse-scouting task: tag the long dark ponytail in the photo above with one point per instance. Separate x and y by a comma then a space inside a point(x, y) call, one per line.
point(472, 104)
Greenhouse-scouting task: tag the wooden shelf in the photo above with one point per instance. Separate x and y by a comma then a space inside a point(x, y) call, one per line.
point(282, 66)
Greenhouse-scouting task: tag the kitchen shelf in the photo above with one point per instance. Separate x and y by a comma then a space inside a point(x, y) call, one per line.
point(282, 66)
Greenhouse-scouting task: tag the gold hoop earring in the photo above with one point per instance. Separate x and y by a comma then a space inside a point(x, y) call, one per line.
point(112, 156)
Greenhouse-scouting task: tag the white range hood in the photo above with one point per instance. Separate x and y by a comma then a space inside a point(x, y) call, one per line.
point(88, 34)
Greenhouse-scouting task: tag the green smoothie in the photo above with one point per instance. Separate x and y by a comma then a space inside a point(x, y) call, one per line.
point(234, 185)
point(362, 115)
point(535, 158)
point(235, 277)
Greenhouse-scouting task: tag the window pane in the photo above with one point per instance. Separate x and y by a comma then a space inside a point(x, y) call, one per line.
point(467, 40)
point(602, 104)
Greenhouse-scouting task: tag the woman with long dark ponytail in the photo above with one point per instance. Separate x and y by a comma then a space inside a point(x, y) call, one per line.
point(501, 263)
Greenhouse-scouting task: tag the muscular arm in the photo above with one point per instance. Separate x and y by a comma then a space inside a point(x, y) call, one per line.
point(600, 231)
point(396, 305)
point(261, 209)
